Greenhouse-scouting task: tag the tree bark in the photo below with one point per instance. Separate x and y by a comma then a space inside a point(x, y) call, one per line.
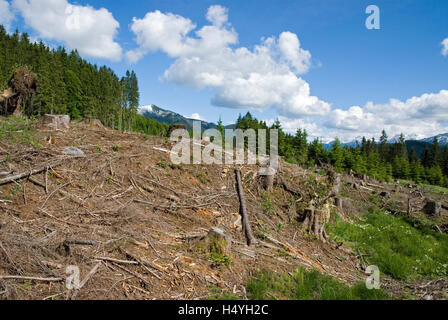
point(243, 211)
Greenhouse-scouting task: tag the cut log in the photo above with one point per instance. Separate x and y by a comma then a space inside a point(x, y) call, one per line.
point(21, 175)
point(243, 211)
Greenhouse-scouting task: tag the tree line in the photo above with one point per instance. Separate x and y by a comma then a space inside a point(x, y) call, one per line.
point(68, 84)
point(379, 159)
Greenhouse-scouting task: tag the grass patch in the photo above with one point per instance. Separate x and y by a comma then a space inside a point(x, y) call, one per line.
point(201, 176)
point(165, 164)
point(266, 205)
point(438, 189)
point(219, 260)
point(397, 245)
point(307, 285)
point(16, 130)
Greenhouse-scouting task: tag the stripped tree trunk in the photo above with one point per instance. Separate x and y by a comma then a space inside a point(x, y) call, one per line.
point(243, 211)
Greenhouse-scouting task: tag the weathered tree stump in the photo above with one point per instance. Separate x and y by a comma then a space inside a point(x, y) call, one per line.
point(218, 241)
point(268, 179)
point(433, 208)
point(55, 122)
point(338, 203)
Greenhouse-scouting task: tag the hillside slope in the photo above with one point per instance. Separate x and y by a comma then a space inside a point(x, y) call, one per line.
point(138, 221)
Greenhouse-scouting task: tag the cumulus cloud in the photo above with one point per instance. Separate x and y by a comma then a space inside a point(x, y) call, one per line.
point(196, 116)
point(90, 31)
point(445, 47)
point(421, 116)
point(6, 15)
point(266, 76)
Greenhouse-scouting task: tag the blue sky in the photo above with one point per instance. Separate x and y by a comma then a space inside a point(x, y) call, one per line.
point(346, 66)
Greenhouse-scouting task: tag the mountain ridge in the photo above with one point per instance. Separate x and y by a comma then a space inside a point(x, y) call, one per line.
point(163, 115)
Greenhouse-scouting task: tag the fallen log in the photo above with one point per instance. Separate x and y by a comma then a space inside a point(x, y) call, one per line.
point(32, 278)
point(243, 211)
point(21, 175)
point(32, 172)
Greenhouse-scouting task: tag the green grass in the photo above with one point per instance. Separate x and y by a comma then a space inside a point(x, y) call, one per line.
point(16, 130)
point(399, 246)
point(307, 285)
point(165, 164)
point(220, 259)
point(441, 190)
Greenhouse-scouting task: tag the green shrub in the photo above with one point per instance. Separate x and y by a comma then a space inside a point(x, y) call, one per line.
point(220, 259)
point(396, 245)
point(307, 285)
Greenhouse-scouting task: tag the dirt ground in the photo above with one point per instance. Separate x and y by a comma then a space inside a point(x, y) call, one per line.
point(130, 221)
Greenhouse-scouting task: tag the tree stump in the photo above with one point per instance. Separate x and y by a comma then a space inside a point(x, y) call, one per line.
point(338, 203)
point(218, 241)
point(315, 221)
point(55, 122)
point(433, 208)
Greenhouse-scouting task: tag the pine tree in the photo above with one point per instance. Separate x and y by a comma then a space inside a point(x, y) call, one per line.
point(413, 156)
point(384, 147)
point(74, 94)
point(426, 157)
point(435, 154)
point(301, 146)
point(337, 155)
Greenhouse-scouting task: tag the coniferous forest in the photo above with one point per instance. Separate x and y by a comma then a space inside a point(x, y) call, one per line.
point(68, 84)
point(382, 160)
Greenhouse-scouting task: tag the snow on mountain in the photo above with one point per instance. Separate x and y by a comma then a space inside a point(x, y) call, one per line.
point(407, 137)
point(442, 138)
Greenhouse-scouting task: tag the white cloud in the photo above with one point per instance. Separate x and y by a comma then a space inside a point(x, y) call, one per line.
point(196, 116)
point(6, 15)
point(91, 31)
point(261, 78)
point(445, 47)
point(417, 117)
point(217, 15)
point(289, 46)
point(420, 116)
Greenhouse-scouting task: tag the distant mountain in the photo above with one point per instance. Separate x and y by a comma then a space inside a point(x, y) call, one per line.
point(442, 138)
point(350, 144)
point(170, 117)
point(411, 142)
point(407, 137)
